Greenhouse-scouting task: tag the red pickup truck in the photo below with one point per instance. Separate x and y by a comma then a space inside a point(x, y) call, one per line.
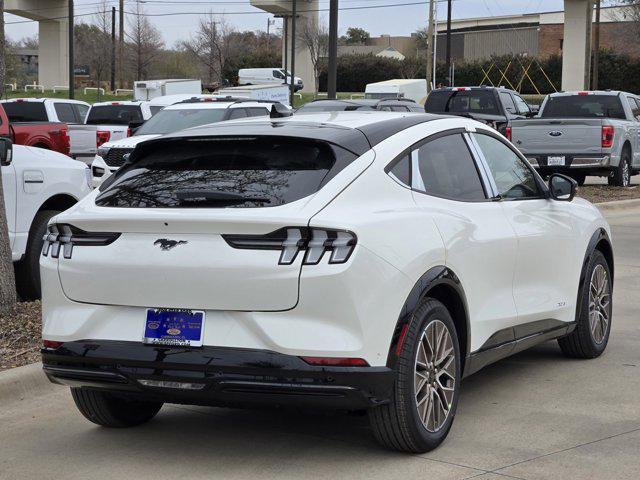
point(50, 135)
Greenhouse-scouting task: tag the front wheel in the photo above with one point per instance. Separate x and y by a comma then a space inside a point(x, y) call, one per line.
point(420, 413)
point(111, 410)
point(591, 335)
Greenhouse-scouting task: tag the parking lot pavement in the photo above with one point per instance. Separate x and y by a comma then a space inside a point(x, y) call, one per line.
point(536, 415)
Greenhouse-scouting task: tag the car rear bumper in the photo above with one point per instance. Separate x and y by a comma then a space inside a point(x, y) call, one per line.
point(215, 375)
point(586, 163)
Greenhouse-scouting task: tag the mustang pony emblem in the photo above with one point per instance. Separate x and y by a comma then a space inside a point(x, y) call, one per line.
point(166, 244)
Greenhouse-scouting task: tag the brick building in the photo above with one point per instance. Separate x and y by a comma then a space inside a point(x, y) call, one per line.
point(536, 34)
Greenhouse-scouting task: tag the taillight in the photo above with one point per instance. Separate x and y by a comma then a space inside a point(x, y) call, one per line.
point(129, 132)
point(51, 345)
point(293, 240)
point(507, 133)
point(607, 136)
point(335, 362)
point(102, 137)
point(67, 236)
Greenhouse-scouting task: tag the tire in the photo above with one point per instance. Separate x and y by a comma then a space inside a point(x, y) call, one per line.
point(28, 269)
point(589, 339)
point(622, 174)
point(398, 425)
point(110, 410)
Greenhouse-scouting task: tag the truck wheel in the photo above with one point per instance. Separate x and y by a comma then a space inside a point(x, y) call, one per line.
point(622, 174)
point(28, 269)
point(110, 410)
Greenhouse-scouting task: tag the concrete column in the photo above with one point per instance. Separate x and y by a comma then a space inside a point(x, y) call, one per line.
point(576, 51)
point(53, 53)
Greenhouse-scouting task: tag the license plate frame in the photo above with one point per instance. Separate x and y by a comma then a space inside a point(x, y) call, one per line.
point(174, 327)
point(556, 160)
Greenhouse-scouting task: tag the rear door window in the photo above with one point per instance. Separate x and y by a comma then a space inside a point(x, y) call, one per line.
point(521, 105)
point(81, 111)
point(65, 112)
point(225, 173)
point(447, 169)
point(26, 111)
point(114, 115)
point(257, 112)
point(508, 103)
point(237, 113)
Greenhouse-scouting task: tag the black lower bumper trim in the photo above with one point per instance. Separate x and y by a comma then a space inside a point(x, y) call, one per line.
point(223, 376)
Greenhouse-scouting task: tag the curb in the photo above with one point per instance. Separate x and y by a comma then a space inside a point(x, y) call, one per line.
point(20, 383)
point(619, 205)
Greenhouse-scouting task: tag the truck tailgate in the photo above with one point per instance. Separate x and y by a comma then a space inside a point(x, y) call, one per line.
point(554, 136)
point(83, 140)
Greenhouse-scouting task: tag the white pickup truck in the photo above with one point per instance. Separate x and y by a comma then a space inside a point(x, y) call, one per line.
point(82, 137)
point(37, 184)
point(117, 120)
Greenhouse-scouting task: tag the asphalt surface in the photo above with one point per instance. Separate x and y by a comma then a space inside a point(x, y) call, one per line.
point(536, 415)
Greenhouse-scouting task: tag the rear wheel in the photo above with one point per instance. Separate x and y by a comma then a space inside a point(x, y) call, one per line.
point(591, 335)
point(622, 174)
point(110, 410)
point(28, 269)
point(425, 396)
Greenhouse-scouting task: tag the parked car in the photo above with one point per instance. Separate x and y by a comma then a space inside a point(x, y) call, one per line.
point(584, 133)
point(117, 120)
point(267, 76)
point(82, 138)
point(496, 107)
point(37, 185)
point(341, 260)
point(186, 114)
point(410, 88)
point(42, 134)
point(158, 103)
point(384, 105)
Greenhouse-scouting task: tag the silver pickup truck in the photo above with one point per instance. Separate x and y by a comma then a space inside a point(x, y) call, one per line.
point(584, 133)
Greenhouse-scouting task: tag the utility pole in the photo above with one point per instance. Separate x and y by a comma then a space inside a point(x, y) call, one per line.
point(72, 70)
point(113, 49)
point(448, 58)
point(121, 47)
point(430, 48)
point(294, 14)
point(285, 40)
point(332, 74)
point(596, 47)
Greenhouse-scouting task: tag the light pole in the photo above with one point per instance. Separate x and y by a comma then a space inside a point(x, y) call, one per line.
point(72, 72)
point(332, 77)
point(292, 90)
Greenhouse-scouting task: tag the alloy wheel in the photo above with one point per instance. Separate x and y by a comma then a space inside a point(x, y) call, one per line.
point(626, 179)
point(599, 304)
point(435, 375)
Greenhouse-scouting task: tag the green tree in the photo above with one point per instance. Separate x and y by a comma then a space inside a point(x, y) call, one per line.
point(356, 36)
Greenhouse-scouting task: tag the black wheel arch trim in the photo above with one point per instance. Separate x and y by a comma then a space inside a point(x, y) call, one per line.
point(597, 238)
point(434, 277)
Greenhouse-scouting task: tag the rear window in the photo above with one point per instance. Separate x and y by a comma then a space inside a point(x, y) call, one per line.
point(167, 121)
point(583, 106)
point(114, 115)
point(26, 111)
point(223, 173)
point(463, 101)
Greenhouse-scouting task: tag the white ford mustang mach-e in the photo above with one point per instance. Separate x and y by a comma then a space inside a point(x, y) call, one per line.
point(344, 260)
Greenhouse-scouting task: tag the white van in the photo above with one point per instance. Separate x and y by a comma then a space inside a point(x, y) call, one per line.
point(413, 89)
point(264, 76)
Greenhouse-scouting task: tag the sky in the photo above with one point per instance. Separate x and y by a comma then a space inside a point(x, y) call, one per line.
point(177, 19)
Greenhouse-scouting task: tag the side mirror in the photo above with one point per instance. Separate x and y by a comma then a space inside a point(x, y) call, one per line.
point(562, 188)
point(6, 151)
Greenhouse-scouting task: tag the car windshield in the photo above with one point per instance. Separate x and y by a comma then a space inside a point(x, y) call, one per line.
point(462, 101)
point(114, 115)
point(583, 106)
point(167, 121)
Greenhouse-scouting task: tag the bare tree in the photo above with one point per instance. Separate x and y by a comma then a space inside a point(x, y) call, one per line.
point(7, 278)
point(210, 46)
point(145, 41)
point(315, 37)
point(93, 43)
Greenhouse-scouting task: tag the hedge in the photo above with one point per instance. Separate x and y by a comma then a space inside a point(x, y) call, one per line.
point(617, 72)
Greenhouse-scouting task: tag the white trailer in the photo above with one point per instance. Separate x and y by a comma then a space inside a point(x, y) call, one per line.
point(274, 92)
point(413, 89)
point(145, 90)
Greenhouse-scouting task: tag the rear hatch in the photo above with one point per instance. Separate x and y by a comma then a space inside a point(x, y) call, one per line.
point(557, 136)
point(201, 224)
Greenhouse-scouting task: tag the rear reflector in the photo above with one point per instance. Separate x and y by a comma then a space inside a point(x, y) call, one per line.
point(583, 94)
point(335, 362)
point(51, 345)
point(607, 136)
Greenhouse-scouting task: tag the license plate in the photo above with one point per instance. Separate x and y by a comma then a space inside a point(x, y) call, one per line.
point(179, 328)
point(556, 160)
